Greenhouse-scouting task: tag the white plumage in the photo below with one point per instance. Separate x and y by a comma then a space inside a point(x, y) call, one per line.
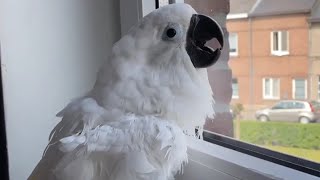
point(132, 124)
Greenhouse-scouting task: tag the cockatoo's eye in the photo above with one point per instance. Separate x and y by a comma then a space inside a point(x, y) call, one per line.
point(171, 33)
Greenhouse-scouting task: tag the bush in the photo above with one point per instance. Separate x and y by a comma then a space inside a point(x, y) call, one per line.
point(295, 135)
point(236, 110)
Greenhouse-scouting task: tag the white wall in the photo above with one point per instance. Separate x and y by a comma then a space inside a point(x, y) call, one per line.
point(51, 51)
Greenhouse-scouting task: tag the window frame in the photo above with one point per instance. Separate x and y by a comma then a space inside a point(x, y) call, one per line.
point(279, 52)
point(233, 54)
point(4, 163)
point(285, 160)
point(271, 97)
point(294, 88)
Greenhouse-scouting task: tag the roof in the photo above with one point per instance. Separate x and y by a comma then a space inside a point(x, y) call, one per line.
point(280, 7)
point(315, 12)
point(241, 6)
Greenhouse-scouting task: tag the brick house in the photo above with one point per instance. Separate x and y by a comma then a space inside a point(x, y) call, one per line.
point(269, 51)
point(314, 53)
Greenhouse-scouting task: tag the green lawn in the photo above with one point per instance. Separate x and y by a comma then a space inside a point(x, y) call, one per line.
point(305, 136)
point(313, 155)
point(301, 140)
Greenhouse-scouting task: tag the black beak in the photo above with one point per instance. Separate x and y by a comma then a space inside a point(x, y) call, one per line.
point(202, 29)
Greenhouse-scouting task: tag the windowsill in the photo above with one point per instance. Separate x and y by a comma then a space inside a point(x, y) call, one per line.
point(233, 54)
point(223, 160)
point(300, 99)
point(280, 53)
point(258, 159)
point(271, 98)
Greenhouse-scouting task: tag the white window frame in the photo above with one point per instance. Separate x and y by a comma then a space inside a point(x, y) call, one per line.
point(237, 44)
point(237, 96)
point(130, 16)
point(138, 9)
point(271, 87)
point(279, 52)
point(294, 87)
point(318, 87)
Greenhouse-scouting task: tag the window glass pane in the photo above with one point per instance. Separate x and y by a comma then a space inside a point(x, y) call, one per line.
point(275, 41)
point(163, 2)
point(284, 40)
point(290, 105)
point(299, 105)
point(235, 88)
point(275, 90)
point(300, 89)
point(233, 40)
point(318, 87)
point(269, 78)
point(267, 87)
point(281, 105)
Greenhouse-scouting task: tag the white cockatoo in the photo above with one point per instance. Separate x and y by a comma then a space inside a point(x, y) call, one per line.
point(150, 93)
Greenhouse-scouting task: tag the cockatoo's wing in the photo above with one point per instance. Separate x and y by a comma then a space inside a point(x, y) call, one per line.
point(79, 116)
point(132, 148)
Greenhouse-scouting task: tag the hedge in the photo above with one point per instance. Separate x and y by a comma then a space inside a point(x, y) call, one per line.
point(295, 135)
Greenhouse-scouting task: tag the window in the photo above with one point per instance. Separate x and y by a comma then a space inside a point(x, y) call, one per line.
point(280, 43)
point(281, 105)
point(299, 89)
point(233, 41)
point(235, 88)
point(318, 87)
point(271, 88)
point(110, 17)
point(298, 105)
point(163, 2)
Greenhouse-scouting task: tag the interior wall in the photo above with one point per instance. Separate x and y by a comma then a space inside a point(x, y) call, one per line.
point(51, 51)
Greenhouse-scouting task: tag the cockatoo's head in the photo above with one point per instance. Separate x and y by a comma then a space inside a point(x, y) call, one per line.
point(159, 66)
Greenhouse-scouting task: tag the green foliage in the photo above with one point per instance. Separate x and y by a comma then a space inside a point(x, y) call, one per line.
point(294, 135)
point(237, 109)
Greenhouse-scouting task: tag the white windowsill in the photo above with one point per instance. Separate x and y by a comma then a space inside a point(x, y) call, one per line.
point(210, 161)
point(235, 97)
point(271, 98)
point(233, 54)
point(280, 53)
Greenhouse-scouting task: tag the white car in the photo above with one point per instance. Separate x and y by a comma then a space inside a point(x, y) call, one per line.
point(291, 111)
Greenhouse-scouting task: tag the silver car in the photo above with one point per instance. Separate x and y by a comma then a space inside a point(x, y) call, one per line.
point(292, 111)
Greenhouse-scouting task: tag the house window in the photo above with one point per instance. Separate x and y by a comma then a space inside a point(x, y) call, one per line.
point(233, 41)
point(235, 88)
point(319, 87)
point(271, 88)
point(163, 2)
point(299, 89)
point(280, 43)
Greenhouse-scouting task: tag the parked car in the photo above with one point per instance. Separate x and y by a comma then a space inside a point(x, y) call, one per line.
point(291, 111)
